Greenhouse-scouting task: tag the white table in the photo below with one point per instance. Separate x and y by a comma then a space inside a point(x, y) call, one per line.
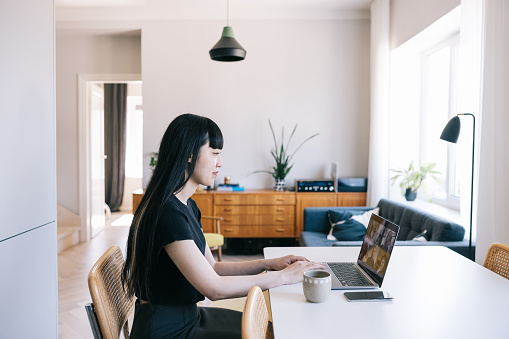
point(437, 294)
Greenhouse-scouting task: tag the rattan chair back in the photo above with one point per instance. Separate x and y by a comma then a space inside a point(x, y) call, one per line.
point(497, 259)
point(255, 318)
point(112, 305)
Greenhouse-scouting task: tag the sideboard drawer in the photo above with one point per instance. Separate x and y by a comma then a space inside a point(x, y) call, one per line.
point(258, 220)
point(225, 210)
point(279, 231)
point(283, 231)
point(254, 199)
point(239, 231)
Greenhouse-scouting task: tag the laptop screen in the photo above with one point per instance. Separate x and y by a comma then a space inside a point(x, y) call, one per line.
point(377, 247)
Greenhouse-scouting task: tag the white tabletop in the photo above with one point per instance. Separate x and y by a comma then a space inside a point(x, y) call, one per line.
point(437, 294)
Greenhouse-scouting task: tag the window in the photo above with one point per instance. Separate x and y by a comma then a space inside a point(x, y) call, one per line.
point(134, 138)
point(438, 104)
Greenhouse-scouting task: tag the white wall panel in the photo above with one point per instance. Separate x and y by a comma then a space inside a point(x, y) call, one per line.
point(28, 285)
point(27, 128)
point(28, 250)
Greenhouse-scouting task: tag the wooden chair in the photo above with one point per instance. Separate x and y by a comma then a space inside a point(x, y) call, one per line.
point(255, 318)
point(110, 305)
point(497, 259)
point(215, 240)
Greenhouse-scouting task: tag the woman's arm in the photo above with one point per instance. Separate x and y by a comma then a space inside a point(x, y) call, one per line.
point(251, 266)
point(202, 275)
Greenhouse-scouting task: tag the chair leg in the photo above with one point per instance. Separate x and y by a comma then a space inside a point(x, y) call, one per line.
point(94, 323)
point(219, 258)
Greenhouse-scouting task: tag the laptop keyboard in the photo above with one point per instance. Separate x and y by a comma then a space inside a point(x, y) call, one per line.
point(348, 274)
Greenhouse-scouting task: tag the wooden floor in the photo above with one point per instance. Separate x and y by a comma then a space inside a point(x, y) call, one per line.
point(73, 267)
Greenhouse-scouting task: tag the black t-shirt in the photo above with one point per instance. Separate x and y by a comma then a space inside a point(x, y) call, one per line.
point(167, 284)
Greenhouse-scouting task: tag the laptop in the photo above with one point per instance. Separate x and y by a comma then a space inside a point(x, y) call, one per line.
point(369, 270)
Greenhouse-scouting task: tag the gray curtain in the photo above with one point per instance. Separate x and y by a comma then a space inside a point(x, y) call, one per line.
point(115, 96)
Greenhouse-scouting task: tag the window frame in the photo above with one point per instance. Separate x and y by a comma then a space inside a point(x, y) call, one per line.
point(453, 42)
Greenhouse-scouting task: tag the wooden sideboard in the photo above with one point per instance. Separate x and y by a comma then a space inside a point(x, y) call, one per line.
point(262, 213)
point(256, 214)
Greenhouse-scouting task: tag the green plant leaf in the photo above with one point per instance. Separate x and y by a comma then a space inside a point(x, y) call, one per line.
point(281, 155)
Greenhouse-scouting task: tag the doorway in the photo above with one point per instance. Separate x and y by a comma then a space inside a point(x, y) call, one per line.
point(93, 210)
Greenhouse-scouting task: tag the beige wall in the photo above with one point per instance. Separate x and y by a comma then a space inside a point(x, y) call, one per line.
point(409, 17)
point(314, 73)
point(83, 54)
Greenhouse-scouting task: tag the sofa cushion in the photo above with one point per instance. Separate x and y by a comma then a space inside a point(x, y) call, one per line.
point(391, 210)
point(316, 219)
point(423, 236)
point(365, 217)
point(343, 227)
point(335, 219)
point(314, 239)
point(414, 222)
point(350, 230)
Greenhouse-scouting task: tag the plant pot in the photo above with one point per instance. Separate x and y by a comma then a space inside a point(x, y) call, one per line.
point(410, 195)
point(279, 185)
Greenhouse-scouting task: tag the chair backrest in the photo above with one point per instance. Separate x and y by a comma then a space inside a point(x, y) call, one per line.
point(255, 318)
point(112, 305)
point(497, 259)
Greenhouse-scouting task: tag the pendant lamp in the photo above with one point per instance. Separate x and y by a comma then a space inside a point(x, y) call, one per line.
point(227, 48)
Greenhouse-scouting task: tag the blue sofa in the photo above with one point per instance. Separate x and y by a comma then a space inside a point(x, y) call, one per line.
point(410, 220)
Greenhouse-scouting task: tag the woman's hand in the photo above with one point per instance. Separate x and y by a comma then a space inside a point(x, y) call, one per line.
point(293, 273)
point(279, 264)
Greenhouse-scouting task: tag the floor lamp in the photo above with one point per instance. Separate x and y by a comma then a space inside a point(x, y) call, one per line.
point(451, 133)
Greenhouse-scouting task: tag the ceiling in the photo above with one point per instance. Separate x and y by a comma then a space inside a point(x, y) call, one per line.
point(69, 10)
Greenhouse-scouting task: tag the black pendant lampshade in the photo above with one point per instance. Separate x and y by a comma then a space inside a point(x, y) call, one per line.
point(451, 131)
point(227, 48)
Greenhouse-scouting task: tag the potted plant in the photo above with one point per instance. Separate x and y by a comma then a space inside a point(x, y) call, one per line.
point(153, 160)
point(413, 178)
point(282, 157)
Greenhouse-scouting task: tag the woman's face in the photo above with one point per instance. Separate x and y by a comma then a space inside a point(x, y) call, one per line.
point(207, 166)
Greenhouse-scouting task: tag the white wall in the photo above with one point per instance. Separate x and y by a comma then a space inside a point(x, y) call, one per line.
point(28, 239)
point(409, 17)
point(314, 73)
point(83, 53)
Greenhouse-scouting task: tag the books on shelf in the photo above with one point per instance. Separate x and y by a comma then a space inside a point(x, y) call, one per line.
point(229, 188)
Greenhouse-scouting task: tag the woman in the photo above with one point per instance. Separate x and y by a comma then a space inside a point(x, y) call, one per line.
point(168, 266)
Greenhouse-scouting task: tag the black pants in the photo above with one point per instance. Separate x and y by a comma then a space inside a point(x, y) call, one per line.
point(185, 322)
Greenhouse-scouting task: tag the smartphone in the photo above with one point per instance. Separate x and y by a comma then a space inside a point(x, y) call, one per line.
point(368, 296)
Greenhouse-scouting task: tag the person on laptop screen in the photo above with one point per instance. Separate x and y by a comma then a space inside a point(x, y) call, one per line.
point(379, 241)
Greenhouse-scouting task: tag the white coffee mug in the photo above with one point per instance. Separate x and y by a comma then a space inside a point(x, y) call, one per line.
point(316, 286)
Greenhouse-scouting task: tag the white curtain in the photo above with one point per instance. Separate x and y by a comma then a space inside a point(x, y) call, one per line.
point(378, 172)
point(493, 202)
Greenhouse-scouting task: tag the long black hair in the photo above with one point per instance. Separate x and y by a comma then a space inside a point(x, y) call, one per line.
point(182, 140)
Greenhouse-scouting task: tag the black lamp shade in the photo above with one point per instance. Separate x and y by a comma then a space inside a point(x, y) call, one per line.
point(227, 48)
point(451, 131)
